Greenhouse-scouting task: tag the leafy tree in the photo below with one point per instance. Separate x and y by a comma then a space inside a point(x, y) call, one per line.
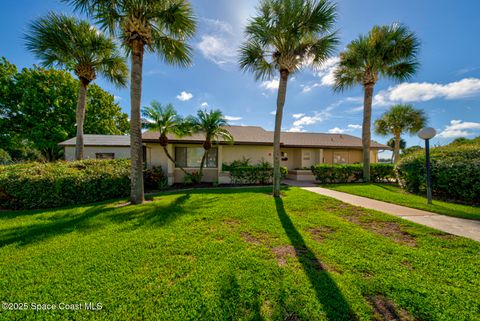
point(166, 121)
point(397, 120)
point(66, 42)
point(38, 111)
point(386, 51)
point(160, 26)
point(465, 141)
point(410, 150)
point(214, 126)
point(284, 37)
point(104, 116)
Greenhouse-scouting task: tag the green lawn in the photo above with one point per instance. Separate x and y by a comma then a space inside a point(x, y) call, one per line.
point(393, 194)
point(234, 254)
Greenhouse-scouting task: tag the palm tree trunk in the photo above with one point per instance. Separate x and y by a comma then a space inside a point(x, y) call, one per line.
point(173, 160)
point(80, 118)
point(396, 149)
point(366, 130)
point(282, 93)
point(136, 150)
point(202, 163)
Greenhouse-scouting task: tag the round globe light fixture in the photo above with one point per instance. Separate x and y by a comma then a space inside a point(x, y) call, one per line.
point(427, 133)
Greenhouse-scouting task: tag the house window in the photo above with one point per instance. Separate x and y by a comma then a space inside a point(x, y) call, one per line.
point(284, 156)
point(340, 157)
point(105, 155)
point(191, 157)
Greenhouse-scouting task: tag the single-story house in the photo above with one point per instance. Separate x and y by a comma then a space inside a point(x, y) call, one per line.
point(299, 151)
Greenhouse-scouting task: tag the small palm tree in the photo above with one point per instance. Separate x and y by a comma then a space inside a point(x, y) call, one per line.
point(165, 120)
point(286, 36)
point(159, 26)
point(386, 51)
point(213, 125)
point(397, 120)
point(66, 42)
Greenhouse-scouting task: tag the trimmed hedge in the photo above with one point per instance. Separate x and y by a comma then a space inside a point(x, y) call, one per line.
point(47, 185)
point(242, 172)
point(455, 172)
point(352, 173)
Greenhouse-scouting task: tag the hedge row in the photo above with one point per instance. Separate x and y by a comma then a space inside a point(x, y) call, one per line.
point(455, 172)
point(351, 173)
point(46, 185)
point(242, 172)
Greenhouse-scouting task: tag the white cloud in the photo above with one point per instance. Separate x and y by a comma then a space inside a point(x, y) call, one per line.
point(184, 96)
point(354, 126)
point(204, 105)
point(350, 128)
point(270, 84)
point(304, 120)
point(117, 98)
point(297, 116)
point(232, 118)
point(273, 112)
point(325, 73)
point(296, 130)
point(418, 92)
point(458, 128)
point(219, 42)
point(336, 130)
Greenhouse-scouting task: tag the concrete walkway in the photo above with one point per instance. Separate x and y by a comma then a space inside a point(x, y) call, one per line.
point(452, 225)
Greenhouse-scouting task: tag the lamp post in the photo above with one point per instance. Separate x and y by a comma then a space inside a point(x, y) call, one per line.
point(426, 134)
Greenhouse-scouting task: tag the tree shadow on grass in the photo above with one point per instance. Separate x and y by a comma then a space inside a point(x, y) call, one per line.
point(28, 234)
point(327, 292)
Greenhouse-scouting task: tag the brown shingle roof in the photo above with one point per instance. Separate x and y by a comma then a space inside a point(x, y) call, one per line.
point(254, 135)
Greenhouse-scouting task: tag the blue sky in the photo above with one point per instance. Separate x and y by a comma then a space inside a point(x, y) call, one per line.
point(447, 86)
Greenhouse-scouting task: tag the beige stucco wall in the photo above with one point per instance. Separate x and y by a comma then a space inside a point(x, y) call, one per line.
point(297, 158)
point(90, 151)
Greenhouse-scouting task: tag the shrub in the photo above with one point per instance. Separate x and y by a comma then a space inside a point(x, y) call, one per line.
point(242, 172)
point(4, 157)
point(192, 178)
point(455, 172)
point(45, 185)
point(351, 173)
point(154, 178)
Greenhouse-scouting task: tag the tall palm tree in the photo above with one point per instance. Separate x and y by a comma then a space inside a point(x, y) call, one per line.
point(160, 26)
point(286, 36)
point(386, 51)
point(397, 120)
point(165, 120)
point(66, 42)
point(214, 126)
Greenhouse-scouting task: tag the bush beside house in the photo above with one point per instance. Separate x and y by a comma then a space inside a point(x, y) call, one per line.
point(352, 173)
point(46, 185)
point(242, 172)
point(455, 172)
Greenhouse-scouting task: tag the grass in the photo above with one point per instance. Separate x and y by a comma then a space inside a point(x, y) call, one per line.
point(234, 254)
point(394, 194)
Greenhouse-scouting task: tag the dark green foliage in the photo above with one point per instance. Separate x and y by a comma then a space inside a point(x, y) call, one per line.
point(4, 157)
point(242, 172)
point(47, 185)
point(455, 172)
point(37, 111)
point(154, 178)
point(350, 173)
